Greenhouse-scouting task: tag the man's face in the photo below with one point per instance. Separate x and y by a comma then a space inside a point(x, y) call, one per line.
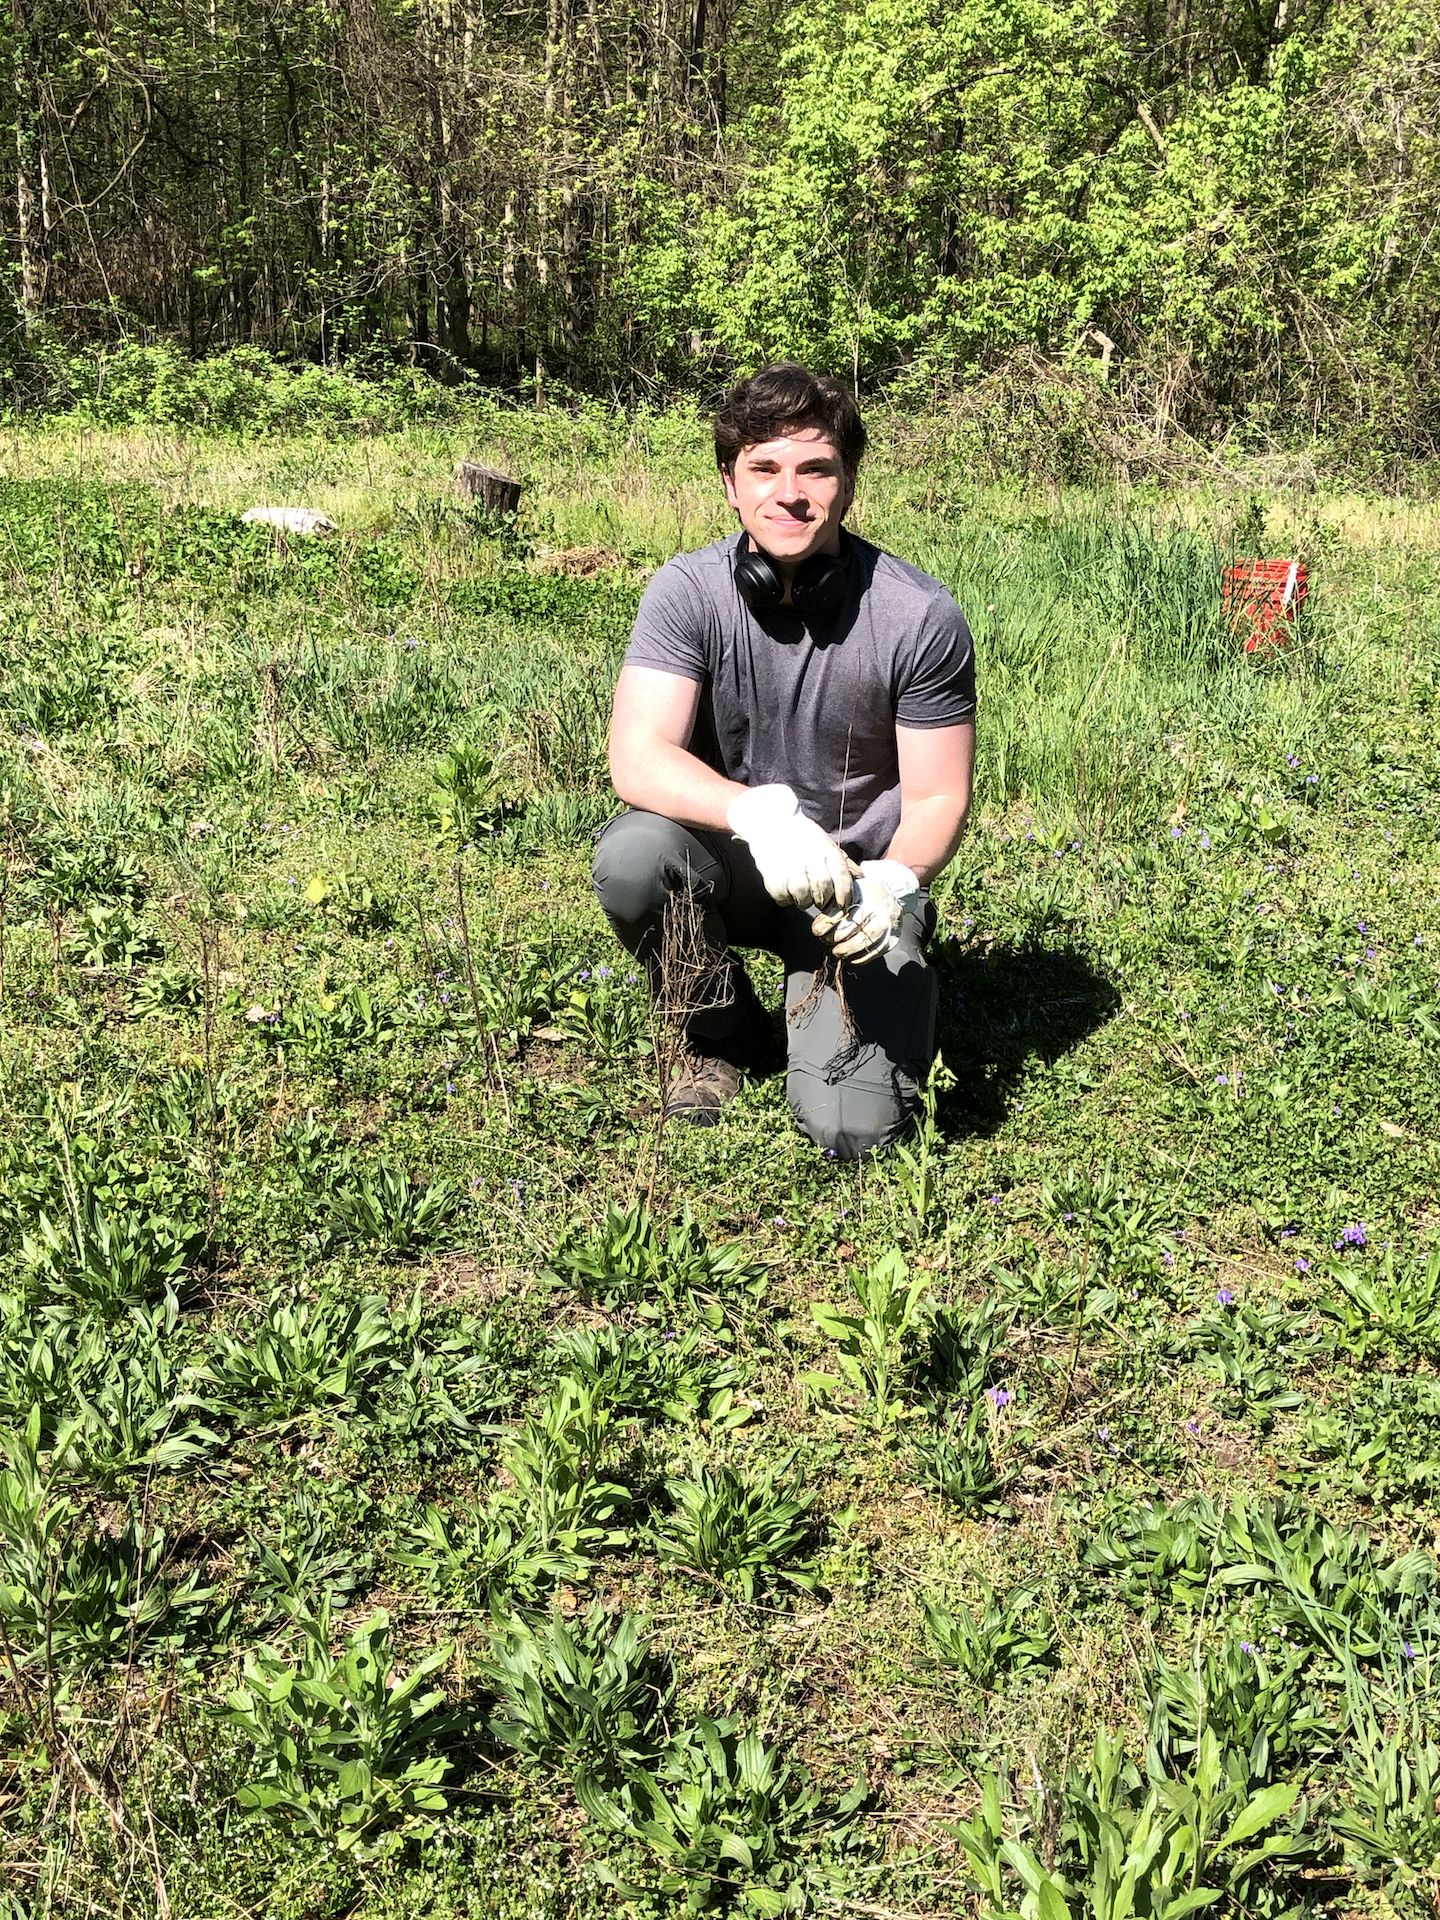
point(791, 495)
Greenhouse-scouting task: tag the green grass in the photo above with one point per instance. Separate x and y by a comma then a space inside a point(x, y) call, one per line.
point(424, 1495)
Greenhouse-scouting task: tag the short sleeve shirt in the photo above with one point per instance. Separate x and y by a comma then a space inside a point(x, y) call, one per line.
point(812, 706)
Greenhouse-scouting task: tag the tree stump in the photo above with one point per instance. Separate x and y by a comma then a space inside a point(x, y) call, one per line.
point(496, 492)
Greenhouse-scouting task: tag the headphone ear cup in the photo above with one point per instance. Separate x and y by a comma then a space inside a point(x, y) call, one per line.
point(757, 580)
point(820, 586)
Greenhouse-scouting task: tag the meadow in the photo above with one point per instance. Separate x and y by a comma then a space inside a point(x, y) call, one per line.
point(430, 1490)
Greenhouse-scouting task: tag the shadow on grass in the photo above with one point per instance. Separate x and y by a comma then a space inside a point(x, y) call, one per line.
point(1002, 1008)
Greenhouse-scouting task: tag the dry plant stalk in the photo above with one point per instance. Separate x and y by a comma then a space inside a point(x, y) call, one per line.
point(270, 711)
point(483, 1041)
point(688, 975)
point(208, 935)
point(100, 1751)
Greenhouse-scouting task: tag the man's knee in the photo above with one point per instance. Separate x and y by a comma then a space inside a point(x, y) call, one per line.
point(850, 1119)
point(629, 869)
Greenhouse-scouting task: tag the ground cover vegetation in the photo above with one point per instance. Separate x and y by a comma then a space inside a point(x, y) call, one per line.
point(426, 1491)
point(1158, 220)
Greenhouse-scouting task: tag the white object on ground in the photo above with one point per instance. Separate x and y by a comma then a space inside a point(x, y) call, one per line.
point(799, 863)
point(885, 892)
point(290, 519)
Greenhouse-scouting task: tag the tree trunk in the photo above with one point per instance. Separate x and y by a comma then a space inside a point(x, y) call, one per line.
point(29, 164)
point(497, 492)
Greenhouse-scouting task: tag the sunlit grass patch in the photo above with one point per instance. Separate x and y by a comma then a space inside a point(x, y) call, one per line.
point(746, 1515)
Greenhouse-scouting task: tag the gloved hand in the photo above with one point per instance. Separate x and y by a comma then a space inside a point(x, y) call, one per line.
point(885, 892)
point(799, 863)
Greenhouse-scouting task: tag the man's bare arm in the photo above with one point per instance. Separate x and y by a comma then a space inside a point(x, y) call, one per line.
point(937, 771)
point(650, 765)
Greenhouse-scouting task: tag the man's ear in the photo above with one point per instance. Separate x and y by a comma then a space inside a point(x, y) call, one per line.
point(727, 475)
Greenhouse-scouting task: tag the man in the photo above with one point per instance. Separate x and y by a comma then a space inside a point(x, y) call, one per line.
point(794, 731)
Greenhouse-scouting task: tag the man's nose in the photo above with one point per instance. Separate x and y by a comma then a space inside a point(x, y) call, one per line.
point(792, 488)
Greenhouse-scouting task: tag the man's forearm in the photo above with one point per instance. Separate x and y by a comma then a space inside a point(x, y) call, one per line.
point(928, 834)
point(667, 779)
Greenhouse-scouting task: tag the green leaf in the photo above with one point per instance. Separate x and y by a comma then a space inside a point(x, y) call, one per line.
point(1192, 1902)
point(1270, 1804)
point(1050, 1902)
point(834, 1324)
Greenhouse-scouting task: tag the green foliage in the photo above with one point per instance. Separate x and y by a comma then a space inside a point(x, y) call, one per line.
point(562, 1512)
point(955, 1456)
point(111, 1264)
point(466, 799)
point(388, 1211)
point(1117, 1228)
point(342, 1744)
point(239, 390)
point(1201, 1034)
point(649, 1379)
point(874, 1357)
point(1380, 1306)
point(1254, 1698)
point(1382, 1444)
point(1390, 1828)
point(1157, 1848)
point(916, 1171)
point(164, 990)
point(997, 1641)
point(964, 1344)
point(744, 1534)
point(1244, 1348)
point(556, 1517)
point(515, 992)
point(305, 1359)
point(584, 1696)
point(70, 1596)
point(630, 1259)
point(727, 1819)
point(324, 1029)
point(608, 1018)
point(110, 936)
point(1329, 1586)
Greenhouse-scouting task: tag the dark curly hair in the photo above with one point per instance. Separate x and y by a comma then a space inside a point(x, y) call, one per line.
point(777, 400)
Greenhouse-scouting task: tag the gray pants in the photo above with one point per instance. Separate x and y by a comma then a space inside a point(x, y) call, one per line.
point(852, 1086)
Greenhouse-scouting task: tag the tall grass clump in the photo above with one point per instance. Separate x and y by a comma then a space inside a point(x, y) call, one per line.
point(1104, 653)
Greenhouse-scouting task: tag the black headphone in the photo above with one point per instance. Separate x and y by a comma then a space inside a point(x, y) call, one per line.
point(818, 589)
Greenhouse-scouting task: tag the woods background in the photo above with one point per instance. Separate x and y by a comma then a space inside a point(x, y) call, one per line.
point(1225, 211)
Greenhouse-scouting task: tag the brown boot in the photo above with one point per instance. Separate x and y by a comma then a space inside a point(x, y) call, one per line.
point(708, 1076)
point(700, 1086)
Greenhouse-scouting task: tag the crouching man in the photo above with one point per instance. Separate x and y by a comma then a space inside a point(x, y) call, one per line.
point(794, 733)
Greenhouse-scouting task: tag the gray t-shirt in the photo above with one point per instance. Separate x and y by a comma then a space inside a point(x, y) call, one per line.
point(813, 708)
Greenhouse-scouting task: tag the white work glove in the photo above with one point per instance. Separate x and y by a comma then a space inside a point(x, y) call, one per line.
point(799, 863)
point(885, 892)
